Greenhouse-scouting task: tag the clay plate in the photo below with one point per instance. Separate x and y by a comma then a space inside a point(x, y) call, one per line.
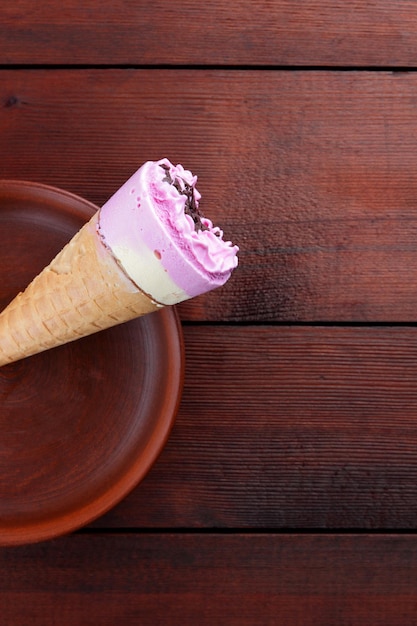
point(80, 425)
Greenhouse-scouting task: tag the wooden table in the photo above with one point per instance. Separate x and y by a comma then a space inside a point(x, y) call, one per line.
point(287, 493)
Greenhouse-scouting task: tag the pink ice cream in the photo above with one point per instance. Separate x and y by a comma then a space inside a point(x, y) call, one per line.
point(154, 228)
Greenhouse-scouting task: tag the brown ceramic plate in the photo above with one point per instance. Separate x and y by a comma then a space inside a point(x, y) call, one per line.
point(80, 425)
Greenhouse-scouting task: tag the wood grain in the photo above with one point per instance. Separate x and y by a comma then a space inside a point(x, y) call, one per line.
point(312, 174)
point(286, 427)
point(283, 32)
point(281, 427)
point(228, 580)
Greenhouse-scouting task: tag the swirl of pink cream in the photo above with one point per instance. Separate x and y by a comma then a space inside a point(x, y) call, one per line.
point(157, 243)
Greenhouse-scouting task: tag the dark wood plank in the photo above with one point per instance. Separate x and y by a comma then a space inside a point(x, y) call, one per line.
point(311, 32)
point(237, 580)
point(288, 428)
point(325, 160)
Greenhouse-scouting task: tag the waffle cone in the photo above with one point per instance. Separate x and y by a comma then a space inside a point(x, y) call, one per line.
point(82, 291)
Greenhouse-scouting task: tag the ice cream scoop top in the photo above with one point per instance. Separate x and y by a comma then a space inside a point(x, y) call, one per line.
point(154, 228)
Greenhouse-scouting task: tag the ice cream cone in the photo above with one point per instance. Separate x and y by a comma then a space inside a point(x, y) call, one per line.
point(82, 291)
point(147, 247)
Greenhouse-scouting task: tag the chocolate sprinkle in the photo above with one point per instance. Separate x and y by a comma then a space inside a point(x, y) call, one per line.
point(191, 207)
